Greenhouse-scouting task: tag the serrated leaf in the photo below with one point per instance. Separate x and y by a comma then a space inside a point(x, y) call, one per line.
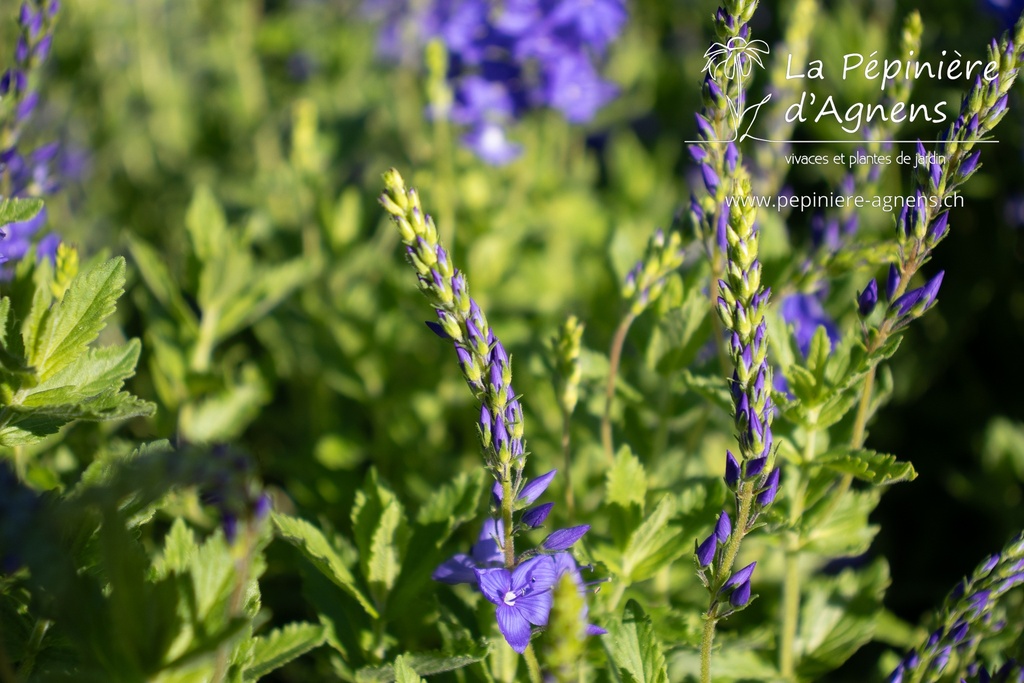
point(817, 354)
point(870, 466)
point(97, 371)
point(456, 502)
point(64, 331)
point(654, 544)
point(626, 481)
point(18, 210)
point(179, 547)
point(317, 549)
point(281, 646)
point(382, 535)
point(404, 673)
point(845, 530)
point(424, 664)
point(634, 648)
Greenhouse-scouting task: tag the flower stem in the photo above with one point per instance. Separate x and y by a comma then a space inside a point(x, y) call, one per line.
point(532, 665)
point(570, 500)
point(506, 520)
point(791, 580)
point(705, 648)
point(614, 356)
point(745, 495)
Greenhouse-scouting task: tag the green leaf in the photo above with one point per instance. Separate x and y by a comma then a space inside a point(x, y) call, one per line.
point(382, 535)
point(96, 372)
point(161, 284)
point(63, 332)
point(206, 225)
point(456, 502)
point(223, 416)
point(404, 673)
point(844, 530)
point(654, 544)
point(179, 548)
point(838, 617)
point(18, 210)
point(317, 549)
point(424, 664)
point(626, 481)
point(283, 645)
point(634, 648)
point(867, 465)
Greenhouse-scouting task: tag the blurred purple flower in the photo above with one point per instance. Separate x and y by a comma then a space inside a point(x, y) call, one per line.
point(806, 314)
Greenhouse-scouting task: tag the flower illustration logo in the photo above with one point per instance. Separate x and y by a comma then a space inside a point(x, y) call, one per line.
point(734, 59)
point(733, 62)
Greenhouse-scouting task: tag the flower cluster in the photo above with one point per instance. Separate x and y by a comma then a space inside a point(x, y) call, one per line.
point(1010, 672)
point(522, 594)
point(503, 62)
point(646, 281)
point(923, 223)
point(485, 364)
point(965, 617)
point(520, 585)
point(28, 174)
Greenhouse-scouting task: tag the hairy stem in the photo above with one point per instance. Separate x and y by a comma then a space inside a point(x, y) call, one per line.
point(614, 356)
point(745, 494)
point(706, 641)
point(532, 665)
point(506, 520)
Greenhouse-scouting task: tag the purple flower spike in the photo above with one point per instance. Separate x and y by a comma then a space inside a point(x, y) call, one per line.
point(892, 284)
point(523, 597)
point(536, 487)
point(936, 174)
point(767, 495)
point(534, 517)
point(732, 470)
point(867, 299)
point(563, 539)
point(741, 596)
point(706, 551)
point(723, 529)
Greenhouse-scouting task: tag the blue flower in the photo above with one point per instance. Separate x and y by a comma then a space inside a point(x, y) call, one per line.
point(485, 553)
point(523, 597)
point(806, 314)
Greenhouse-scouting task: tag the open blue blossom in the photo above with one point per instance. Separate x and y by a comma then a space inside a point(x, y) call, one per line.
point(523, 597)
point(485, 553)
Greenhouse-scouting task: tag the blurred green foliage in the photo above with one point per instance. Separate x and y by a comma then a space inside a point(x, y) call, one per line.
point(235, 149)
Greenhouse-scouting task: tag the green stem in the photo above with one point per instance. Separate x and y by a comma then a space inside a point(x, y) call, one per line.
point(614, 357)
point(235, 602)
point(203, 351)
point(506, 519)
point(745, 494)
point(446, 174)
point(706, 642)
point(532, 665)
point(857, 436)
point(570, 500)
point(791, 580)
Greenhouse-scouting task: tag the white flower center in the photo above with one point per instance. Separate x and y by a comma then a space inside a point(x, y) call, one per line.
point(510, 598)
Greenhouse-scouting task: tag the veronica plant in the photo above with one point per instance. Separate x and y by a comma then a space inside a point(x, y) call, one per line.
point(519, 585)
